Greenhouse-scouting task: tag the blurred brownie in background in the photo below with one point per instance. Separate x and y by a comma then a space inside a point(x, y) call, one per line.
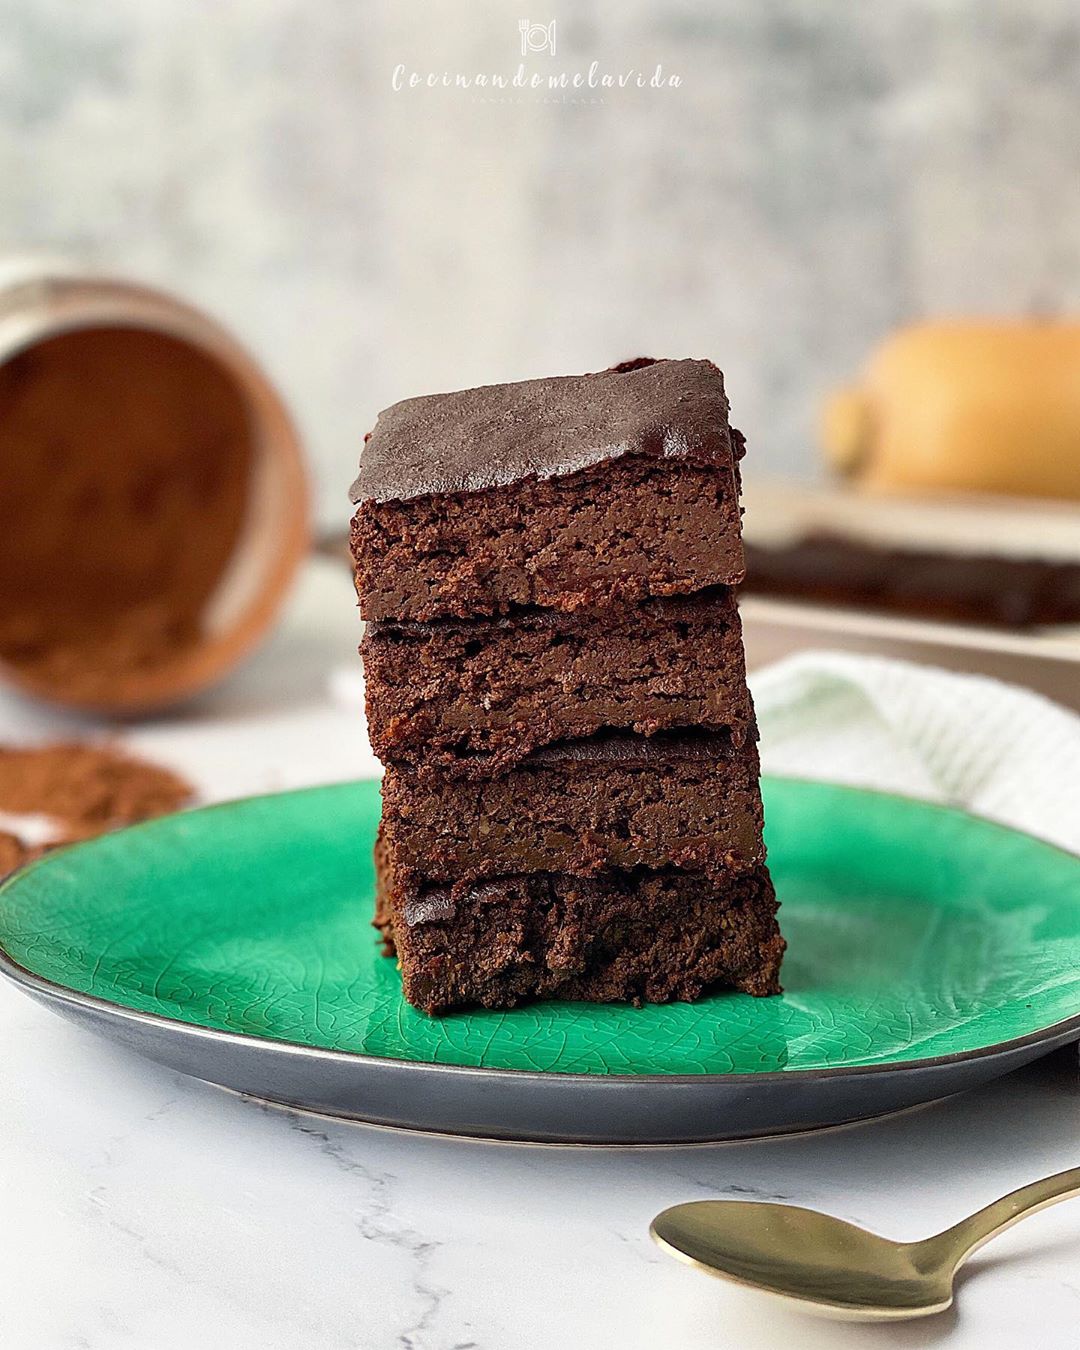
point(988, 589)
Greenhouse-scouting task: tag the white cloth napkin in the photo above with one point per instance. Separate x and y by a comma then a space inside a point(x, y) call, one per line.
point(973, 742)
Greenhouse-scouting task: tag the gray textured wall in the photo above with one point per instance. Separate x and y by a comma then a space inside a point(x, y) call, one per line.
point(826, 170)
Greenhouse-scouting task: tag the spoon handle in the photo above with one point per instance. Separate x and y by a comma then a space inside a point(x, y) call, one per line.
point(970, 1234)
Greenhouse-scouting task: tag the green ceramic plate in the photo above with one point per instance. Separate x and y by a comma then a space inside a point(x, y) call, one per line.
point(234, 943)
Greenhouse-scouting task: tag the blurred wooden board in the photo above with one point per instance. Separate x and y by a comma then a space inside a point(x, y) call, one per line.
point(1046, 660)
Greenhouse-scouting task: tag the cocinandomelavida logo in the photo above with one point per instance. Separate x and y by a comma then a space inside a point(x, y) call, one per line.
point(537, 37)
point(588, 82)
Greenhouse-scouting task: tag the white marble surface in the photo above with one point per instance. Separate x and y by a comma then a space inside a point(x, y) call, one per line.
point(140, 1210)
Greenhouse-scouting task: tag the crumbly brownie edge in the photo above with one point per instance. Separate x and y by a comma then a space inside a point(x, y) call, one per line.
point(383, 918)
point(637, 937)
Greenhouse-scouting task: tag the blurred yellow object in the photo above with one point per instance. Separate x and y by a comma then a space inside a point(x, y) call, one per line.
point(981, 406)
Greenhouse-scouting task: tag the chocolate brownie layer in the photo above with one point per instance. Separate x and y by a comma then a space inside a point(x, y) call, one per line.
point(569, 493)
point(642, 937)
point(982, 589)
point(682, 800)
point(614, 534)
point(475, 697)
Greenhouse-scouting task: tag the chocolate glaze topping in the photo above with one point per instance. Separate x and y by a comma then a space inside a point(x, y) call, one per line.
point(500, 433)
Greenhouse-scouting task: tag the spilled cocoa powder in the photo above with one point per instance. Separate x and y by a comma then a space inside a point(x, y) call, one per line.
point(63, 793)
point(125, 463)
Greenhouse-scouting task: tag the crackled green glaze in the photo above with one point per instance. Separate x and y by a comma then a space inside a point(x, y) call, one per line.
point(913, 931)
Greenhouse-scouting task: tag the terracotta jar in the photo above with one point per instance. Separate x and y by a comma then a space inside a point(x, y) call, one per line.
point(153, 502)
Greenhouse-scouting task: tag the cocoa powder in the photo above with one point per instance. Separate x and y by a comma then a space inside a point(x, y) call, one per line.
point(125, 463)
point(78, 790)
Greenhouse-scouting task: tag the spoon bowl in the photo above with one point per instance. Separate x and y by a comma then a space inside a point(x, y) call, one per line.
point(823, 1263)
point(834, 1268)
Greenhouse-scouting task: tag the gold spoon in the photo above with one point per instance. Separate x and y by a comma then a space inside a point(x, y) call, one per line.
point(833, 1268)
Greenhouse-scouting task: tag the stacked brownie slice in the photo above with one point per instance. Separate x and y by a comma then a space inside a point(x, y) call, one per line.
point(555, 683)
